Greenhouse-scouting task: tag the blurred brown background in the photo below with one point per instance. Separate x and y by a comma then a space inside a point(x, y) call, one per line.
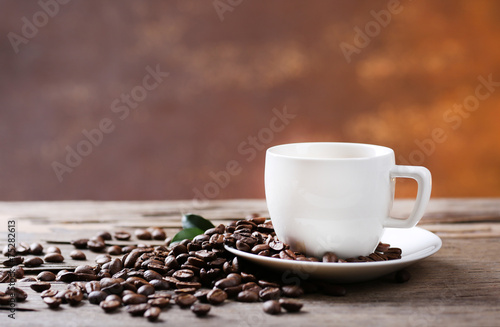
point(405, 74)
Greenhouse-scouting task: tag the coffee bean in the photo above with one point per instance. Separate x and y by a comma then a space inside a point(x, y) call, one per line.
point(40, 286)
point(96, 244)
point(36, 248)
point(48, 293)
point(77, 255)
point(92, 286)
point(179, 249)
point(23, 249)
point(67, 277)
point(150, 275)
point(113, 297)
point(185, 300)
point(105, 235)
point(291, 305)
point(197, 262)
point(18, 271)
point(53, 249)
point(134, 299)
point(114, 250)
point(152, 313)
point(271, 307)
point(216, 296)
point(330, 257)
point(96, 297)
point(80, 243)
point(287, 255)
point(242, 246)
point(5, 276)
point(146, 290)
point(110, 306)
point(13, 261)
point(292, 291)
point(137, 309)
point(265, 283)
point(402, 276)
point(53, 257)
point(122, 235)
point(334, 290)
point(158, 234)
point(259, 248)
point(183, 274)
point(143, 234)
point(276, 245)
point(269, 293)
point(200, 309)
point(382, 247)
point(73, 297)
point(52, 302)
point(247, 296)
point(227, 282)
point(187, 290)
point(4, 298)
point(161, 302)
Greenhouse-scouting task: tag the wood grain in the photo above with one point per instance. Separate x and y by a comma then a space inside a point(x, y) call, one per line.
point(458, 286)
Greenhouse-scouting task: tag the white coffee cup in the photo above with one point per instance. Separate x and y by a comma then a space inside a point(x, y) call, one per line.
point(336, 197)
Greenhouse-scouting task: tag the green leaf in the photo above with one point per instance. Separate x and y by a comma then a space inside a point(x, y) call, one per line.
point(194, 221)
point(187, 233)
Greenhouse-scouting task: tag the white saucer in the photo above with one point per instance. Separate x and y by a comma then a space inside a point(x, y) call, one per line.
point(416, 244)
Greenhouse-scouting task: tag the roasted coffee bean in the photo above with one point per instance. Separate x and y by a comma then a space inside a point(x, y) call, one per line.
point(178, 249)
point(18, 294)
point(18, 271)
point(269, 293)
point(143, 234)
point(402, 276)
point(23, 249)
point(183, 284)
point(53, 257)
point(259, 248)
point(74, 297)
point(9, 251)
point(122, 235)
point(67, 277)
point(216, 296)
point(80, 243)
point(149, 275)
point(115, 265)
point(92, 286)
point(183, 274)
point(205, 255)
point(194, 261)
point(287, 255)
point(114, 250)
point(53, 249)
point(158, 234)
point(200, 309)
point(242, 246)
point(264, 283)
point(160, 284)
point(110, 306)
point(152, 313)
point(276, 245)
point(52, 302)
point(291, 305)
point(292, 291)
point(227, 282)
point(201, 295)
point(330, 257)
point(185, 300)
point(233, 291)
point(36, 248)
point(134, 299)
point(77, 255)
point(13, 261)
point(48, 293)
point(271, 307)
point(113, 297)
point(161, 302)
point(96, 244)
point(40, 286)
point(146, 290)
point(105, 235)
point(137, 309)
point(187, 290)
point(96, 297)
point(247, 296)
point(334, 290)
point(382, 247)
point(251, 286)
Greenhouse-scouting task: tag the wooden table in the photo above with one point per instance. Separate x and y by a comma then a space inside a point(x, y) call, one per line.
point(458, 286)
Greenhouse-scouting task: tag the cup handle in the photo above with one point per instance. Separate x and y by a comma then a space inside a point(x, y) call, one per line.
point(423, 177)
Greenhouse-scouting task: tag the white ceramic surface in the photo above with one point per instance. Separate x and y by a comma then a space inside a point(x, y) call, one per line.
point(416, 244)
point(337, 196)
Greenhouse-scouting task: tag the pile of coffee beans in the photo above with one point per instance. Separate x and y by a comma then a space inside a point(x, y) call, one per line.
point(195, 274)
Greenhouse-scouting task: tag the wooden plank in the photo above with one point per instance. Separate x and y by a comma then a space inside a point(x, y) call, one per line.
point(458, 286)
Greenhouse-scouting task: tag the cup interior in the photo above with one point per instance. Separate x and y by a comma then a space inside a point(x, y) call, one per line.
point(325, 150)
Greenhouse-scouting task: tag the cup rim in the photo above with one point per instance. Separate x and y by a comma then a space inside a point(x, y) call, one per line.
point(380, 151)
